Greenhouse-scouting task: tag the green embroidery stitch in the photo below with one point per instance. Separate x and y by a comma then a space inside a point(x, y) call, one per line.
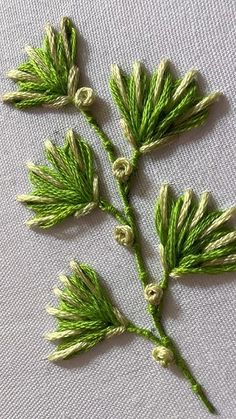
point(51, 77)
point(193, 239)
point(70, 187)
point(155, 109)
point(85, 314)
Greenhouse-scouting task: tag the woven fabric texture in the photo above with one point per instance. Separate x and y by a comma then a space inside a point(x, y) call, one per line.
point(118, 379)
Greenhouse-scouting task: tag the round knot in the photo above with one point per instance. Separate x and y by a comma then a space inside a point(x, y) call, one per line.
point(124, 235)
point(153, 293)
point(84, 97)
point(163, 355)
point(122, 169)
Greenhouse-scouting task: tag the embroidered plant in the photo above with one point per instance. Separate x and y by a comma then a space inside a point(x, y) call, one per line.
point(193, 238)
point(85, 315)
point(70, 187)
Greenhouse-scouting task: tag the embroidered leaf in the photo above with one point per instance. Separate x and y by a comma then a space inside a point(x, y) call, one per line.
point(193, 238)
point(50, 77)
point(85, 314)
point(69, 187)
point(155, 109)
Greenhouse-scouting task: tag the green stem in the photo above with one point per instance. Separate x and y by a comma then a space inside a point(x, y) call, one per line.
point(141, 268)
point(181, 363)
point(146, 334)
point(129, 212)
point(123, 191)
point(107, 207)
point(135, 158)
point(164, 283)
point(106, 142)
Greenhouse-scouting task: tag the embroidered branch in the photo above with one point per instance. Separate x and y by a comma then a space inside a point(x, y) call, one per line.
point(193, 238)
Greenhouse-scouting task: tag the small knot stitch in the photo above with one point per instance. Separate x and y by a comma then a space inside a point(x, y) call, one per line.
point(122, 169)
point(163, 355)
point(84, 97)
point(124, 235)
point(153, 294)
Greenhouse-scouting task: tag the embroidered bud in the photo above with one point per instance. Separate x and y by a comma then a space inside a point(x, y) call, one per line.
point(163, 355)
point(84, 97)
point(153, 294)
point(122, 169)
point(124, 235)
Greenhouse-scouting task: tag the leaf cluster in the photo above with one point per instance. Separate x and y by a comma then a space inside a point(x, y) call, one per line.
point(85, 314)
point(158, 107)
point(50, 76)
point(194, 239)
point(68, 187)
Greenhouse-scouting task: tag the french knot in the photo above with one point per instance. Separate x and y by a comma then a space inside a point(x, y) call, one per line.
point(163, 355)
point(153, 293)
point(122, 169)
point(84, 97)
point(124, 235)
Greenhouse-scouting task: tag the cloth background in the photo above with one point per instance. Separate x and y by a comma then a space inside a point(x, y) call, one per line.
point(118, 379)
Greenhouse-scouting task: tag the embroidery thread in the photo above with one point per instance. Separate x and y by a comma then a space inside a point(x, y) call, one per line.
point(193, 238)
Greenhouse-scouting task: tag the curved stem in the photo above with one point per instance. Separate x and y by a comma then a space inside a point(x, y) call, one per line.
point(164, 283)
point(141, 268)
point(106, 142)
point(135, 158)
point(109, 208)
point(123, 191)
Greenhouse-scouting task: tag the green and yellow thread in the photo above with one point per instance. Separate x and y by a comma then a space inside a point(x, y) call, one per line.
point(154, 111)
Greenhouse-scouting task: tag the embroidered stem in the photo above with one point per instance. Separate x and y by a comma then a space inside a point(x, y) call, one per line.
point(146, 334)
point(106, 142)
point(143, 275)
point(181, 363)
point(107, 207)
point(129, 212)
point(123, 191)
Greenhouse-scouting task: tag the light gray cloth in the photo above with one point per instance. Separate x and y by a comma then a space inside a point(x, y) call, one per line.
point(118, 379)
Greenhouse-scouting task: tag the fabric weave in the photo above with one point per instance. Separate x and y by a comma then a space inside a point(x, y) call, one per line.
point(118, 379)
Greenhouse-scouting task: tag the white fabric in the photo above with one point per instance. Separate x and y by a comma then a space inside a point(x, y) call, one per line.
point(118, 379)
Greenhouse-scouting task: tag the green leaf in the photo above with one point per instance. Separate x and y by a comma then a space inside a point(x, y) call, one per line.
point(193, 238)
point(50, 77)
point(157, 108)
point(68, 187)
point(85, 314)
